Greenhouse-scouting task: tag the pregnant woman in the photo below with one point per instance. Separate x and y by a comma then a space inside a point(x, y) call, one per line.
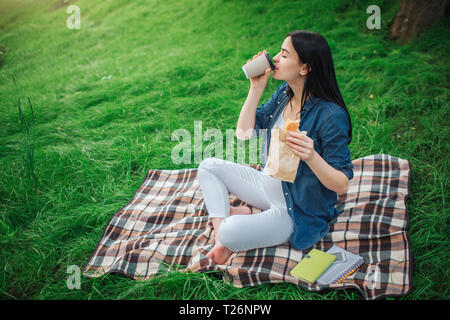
point(298, 212)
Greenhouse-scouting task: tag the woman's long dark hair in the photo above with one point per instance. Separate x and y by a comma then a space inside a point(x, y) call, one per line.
point(320, 81)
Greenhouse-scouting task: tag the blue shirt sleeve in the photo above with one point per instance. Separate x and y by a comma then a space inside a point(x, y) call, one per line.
point(334, 137)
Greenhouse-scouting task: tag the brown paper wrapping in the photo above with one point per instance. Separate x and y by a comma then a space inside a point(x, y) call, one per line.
point(282, 162)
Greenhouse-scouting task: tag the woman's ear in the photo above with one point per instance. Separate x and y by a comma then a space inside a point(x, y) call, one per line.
point(305, 69)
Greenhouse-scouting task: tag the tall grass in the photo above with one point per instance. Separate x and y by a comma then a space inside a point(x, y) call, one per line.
point(106, 99)
point(27, 157)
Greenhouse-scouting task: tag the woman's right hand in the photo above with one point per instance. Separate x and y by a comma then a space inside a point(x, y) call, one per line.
point(260, 82)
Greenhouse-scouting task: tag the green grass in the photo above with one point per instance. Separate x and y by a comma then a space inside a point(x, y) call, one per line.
point(172, 63)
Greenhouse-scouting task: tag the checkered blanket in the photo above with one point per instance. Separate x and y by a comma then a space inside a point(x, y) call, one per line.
point(165, 227)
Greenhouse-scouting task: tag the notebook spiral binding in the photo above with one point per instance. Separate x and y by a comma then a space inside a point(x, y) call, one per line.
point(352, 269)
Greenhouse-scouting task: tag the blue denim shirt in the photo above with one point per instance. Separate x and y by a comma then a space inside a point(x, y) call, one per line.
point(310, 204)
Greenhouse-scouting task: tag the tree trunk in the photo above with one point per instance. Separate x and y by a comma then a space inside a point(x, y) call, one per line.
point(414, 16)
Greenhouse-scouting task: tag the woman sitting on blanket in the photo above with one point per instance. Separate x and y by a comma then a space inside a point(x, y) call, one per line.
point(298, 212)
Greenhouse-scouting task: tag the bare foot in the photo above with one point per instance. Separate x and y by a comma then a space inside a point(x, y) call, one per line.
point(240, 210)
point(219, 254)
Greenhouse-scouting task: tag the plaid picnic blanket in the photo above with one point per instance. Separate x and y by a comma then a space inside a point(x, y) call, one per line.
point(165, 227)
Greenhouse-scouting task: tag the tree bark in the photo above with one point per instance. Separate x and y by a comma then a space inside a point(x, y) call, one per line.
point(415, 16)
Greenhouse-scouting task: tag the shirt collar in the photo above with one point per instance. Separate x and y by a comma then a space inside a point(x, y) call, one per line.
point(310, 102)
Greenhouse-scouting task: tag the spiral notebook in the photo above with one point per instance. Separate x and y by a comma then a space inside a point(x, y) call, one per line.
point(346, 263)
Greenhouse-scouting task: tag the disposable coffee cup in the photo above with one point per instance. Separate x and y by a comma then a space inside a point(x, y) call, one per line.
point(258, 66)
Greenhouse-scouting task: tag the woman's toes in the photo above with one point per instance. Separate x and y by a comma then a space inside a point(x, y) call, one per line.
point(210, 255)
point(219, 254)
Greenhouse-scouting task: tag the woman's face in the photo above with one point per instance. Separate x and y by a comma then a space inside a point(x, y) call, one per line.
point(287, 62)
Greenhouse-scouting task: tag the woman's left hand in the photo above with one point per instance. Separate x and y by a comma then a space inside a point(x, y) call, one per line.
point(301, 145)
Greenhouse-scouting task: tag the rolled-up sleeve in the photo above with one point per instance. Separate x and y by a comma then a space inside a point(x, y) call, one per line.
point(335, 138)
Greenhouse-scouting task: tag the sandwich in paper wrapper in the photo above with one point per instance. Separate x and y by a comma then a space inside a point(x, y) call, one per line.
point(282, 162)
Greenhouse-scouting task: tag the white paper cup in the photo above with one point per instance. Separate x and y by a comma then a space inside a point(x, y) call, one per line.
point(258, 66)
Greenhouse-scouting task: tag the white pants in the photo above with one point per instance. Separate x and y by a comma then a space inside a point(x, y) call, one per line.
point(273, 226)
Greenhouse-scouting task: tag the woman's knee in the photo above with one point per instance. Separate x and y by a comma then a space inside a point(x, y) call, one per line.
point(208, 164)
point(205, 168)
point(230, 233)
